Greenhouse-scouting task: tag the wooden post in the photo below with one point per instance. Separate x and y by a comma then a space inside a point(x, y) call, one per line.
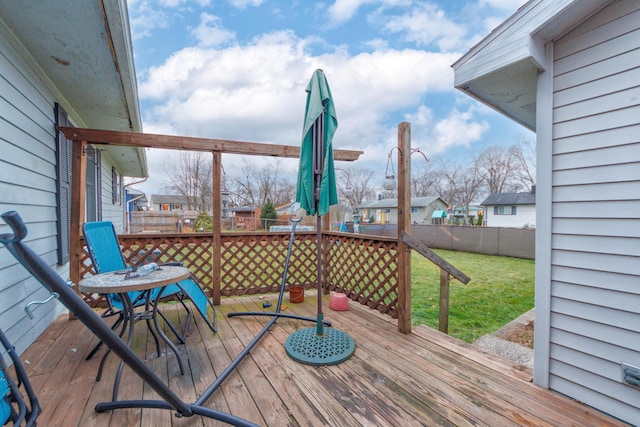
point(216, 209)
point(76, 216)
point(443, 321)
point(404, 224)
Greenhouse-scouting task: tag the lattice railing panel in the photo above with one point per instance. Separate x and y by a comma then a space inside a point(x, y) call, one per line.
point(254, 263)
point(365, 269)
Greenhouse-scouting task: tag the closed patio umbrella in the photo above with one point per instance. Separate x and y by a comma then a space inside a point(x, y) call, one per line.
point(316, 192)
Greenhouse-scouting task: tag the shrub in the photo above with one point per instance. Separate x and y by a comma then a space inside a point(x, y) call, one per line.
point(203, 222)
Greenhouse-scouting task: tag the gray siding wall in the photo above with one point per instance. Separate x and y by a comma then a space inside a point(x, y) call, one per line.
point(110, 211)
point(595, 243)
point(27, 185)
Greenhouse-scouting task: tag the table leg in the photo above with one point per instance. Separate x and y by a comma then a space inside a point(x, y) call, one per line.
point(147, 319)
point(129, 312)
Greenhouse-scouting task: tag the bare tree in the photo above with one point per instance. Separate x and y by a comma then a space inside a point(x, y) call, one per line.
point(461, 184)
point(254, 186)
point(423, 180)
point(524, 153)
point(358, 181)
point(499, 167)
point(191, 178)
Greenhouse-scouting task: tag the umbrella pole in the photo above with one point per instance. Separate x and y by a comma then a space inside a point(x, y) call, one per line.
point(320, 321)
point(318, 149)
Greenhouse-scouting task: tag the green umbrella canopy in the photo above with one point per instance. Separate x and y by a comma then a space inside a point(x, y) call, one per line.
point(319, 103)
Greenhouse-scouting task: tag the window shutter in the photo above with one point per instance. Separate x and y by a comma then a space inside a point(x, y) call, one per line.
point(513, 210)
point(64, 148)
point(495, 210)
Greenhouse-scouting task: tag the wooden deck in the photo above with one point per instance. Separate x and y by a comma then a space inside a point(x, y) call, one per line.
point(424, 378)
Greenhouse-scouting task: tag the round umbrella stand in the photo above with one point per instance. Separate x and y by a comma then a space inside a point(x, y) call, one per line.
point(306, 346)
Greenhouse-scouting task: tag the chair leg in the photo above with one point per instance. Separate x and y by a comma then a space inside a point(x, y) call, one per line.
point(97, 346)
point(125, 320)
point(180, 337)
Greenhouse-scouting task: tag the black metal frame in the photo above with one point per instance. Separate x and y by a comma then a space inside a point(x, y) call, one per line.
point(54, 283)
point(25, 413)
point(278, 313)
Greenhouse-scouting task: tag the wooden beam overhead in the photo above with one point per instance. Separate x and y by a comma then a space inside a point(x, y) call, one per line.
point(174, 142)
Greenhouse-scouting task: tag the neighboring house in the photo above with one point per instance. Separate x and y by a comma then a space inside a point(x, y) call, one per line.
point(172, 202)
point(385, 211)
point(167, 202)
point(438, 217)
point(511, 209)
point(290, 209)
point(459, 214)
point(246, 217)
point(569, 70)
point(136, 200)
point(60, 65)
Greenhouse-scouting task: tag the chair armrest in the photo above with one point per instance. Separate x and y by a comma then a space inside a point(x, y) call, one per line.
point(173, 264)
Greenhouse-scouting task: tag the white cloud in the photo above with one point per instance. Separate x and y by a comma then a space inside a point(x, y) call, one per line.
point(243, 4)
point(425, 24)
point(147, 18)
point(502, 4)
point(210, 32)
point(343, 10)
point(178, 3)
point(256, 92)
point(457, 129)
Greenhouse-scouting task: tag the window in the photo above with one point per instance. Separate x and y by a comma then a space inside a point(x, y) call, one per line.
point(414, 210)
point(116, 187)
point(504, 210)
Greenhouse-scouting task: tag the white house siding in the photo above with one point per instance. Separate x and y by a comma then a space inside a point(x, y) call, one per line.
point(110, 211)
point(595, 254)
point(525, 215)
point(27, 185)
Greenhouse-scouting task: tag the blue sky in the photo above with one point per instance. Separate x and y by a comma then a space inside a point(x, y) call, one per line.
point(237, 69)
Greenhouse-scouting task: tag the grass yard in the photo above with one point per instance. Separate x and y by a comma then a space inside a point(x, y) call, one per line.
point(500, 290)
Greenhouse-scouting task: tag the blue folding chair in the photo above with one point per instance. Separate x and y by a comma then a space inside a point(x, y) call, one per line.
point(106, 255)
point(13, 406)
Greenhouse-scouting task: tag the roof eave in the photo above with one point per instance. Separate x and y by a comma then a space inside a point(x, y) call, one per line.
point(501, 71)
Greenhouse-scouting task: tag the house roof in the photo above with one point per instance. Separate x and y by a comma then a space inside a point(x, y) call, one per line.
point(83, 51)
point(393, 203)
point(243, 208)
point(502, 69)
point(137, 195)
point(524, 198)
point(168, 199)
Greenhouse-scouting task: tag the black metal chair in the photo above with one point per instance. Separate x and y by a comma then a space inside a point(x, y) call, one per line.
point(55, 284)
point(13, 406)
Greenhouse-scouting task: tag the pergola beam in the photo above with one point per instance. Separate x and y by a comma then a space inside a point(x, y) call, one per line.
point(175, 142)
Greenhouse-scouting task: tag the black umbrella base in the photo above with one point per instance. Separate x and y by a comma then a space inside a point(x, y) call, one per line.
point(332, 347)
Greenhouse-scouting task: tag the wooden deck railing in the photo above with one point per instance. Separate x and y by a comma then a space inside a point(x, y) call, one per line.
point(363, 267)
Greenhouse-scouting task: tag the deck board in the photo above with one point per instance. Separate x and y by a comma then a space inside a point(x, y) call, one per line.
point(424, 378)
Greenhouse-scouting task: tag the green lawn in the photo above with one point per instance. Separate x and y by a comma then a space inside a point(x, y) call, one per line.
point(500, 290)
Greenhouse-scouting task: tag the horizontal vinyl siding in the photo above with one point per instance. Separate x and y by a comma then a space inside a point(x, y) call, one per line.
point(110, 211)
point(27, 185)
point(595, 245)
point(525, 214)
